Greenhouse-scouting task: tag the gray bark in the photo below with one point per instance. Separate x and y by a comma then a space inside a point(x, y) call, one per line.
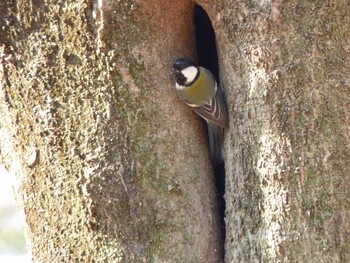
point(110, 165)
point(285, 69)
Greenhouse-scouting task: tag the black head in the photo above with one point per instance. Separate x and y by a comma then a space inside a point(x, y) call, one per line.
point(179, 66)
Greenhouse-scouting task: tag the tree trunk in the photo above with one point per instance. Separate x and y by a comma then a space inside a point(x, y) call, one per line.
point(285, 68)
point(110, 166)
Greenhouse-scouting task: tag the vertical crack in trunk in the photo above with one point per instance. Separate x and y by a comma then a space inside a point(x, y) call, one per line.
point(208, 58)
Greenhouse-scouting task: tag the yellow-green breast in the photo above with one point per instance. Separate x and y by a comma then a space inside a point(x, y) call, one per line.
point(201, 91)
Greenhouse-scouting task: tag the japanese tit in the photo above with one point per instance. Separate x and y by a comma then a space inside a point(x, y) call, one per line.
point(198, 89)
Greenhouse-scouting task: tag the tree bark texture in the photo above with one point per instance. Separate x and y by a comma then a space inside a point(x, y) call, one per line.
point(112, 167)
point(285, 68)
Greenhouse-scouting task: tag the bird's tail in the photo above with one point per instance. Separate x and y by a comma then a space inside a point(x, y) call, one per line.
point(216, 138)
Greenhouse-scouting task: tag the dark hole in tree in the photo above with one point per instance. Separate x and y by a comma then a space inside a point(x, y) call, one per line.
point(208, 58)
point(205, 40)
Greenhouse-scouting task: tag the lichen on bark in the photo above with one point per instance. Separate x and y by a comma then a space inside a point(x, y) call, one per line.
point(113, 178)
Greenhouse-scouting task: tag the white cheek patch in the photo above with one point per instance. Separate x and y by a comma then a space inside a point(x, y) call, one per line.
point(190, 73)
point(179, 87)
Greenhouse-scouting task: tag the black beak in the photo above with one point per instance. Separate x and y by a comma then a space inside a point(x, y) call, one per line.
point(180, 78)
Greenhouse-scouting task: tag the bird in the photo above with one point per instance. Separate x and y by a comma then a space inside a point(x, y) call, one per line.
point(197, 87)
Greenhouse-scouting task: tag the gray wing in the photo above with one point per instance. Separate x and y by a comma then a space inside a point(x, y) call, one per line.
point(215, 111)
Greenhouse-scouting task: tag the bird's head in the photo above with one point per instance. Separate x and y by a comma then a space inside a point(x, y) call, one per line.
point(186, 71)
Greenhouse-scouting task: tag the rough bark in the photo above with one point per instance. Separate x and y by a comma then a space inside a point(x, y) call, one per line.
point(285, 68)
point(110, 165)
